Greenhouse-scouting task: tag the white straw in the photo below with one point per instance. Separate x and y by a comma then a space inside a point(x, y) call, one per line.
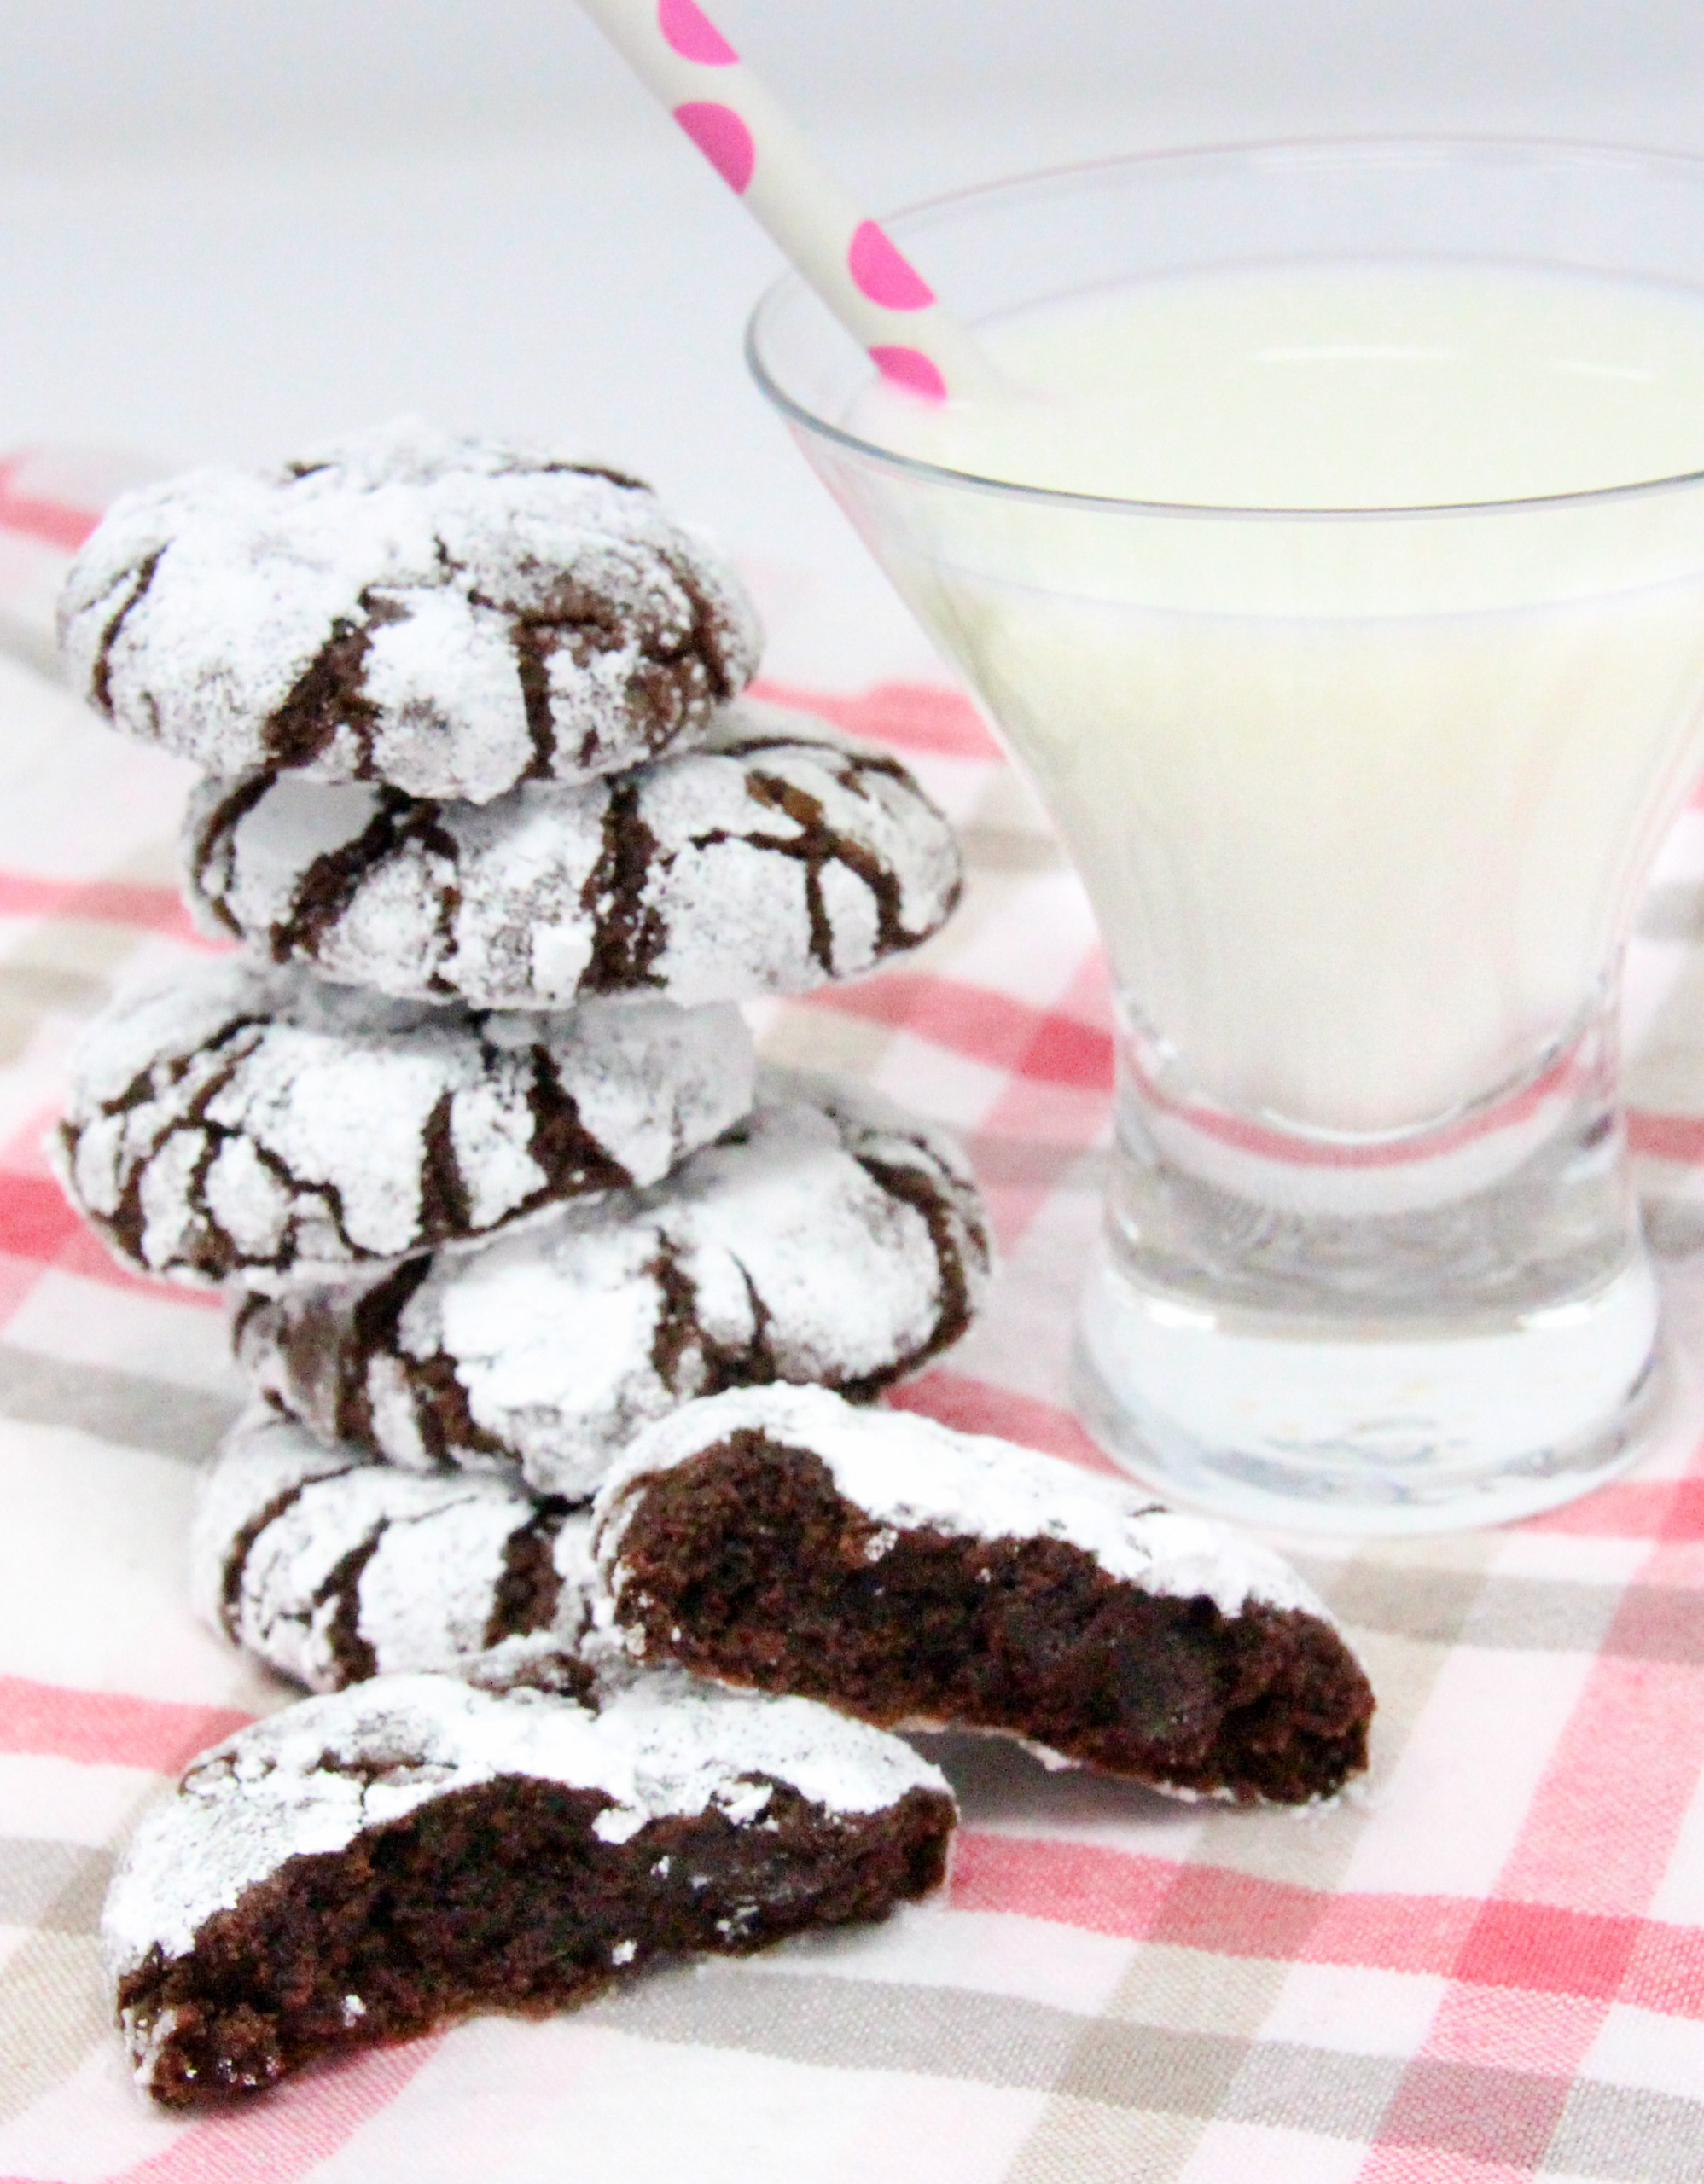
point(877, 295)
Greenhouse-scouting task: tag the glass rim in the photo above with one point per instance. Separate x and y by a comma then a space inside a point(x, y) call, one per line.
point(1529, 151)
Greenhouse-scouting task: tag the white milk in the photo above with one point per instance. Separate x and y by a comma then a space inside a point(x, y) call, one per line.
point(1361, 800)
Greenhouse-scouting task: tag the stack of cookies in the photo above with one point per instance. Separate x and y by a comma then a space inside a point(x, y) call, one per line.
point(471, 1127)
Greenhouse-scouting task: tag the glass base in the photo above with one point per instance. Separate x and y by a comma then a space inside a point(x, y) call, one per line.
point(1231, 1413)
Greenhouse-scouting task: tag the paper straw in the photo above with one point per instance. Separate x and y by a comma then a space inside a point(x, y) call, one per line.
point(880, 297)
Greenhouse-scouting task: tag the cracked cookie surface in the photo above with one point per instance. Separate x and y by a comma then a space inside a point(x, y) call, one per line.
point(445, 615)
point(242, 1119)
point(777, 860)
point(331, 1567)
point(826, 1238)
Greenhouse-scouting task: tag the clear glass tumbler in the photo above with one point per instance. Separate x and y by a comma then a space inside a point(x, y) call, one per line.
point(1371, 1260)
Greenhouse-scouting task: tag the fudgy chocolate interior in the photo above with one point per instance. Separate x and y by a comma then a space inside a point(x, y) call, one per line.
point(747, 1564)
point(501, 1897)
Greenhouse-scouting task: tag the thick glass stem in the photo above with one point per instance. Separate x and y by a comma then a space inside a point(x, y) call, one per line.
point(1439, 1325)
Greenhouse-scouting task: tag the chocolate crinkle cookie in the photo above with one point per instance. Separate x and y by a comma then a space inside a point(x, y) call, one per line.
point(242, 1119)
point(447, 616)
point(777, 1537)
point(331, 1567)
point(364, 1867)
point(828, 1237)
point(766, 865)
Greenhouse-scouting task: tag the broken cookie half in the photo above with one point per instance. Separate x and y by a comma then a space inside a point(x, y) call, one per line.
point(777, 1538)
point(364, 1866)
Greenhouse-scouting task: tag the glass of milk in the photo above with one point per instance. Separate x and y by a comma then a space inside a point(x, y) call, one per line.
point(1332, 563)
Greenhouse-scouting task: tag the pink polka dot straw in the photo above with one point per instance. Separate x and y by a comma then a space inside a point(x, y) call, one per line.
point(865, 280)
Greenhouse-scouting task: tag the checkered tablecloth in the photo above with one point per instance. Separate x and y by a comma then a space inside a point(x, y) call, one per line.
point(1488, 1966)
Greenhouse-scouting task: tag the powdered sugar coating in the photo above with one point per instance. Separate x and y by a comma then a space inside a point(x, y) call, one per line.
point(315, 1775)
point(331, 1567)
point(907, 1473)
point(767, 865)
point(448, 615)
point(828, 1237)
point(243, 1119)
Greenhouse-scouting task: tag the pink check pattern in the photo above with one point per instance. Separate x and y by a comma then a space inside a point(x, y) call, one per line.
point(1488, 1968)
